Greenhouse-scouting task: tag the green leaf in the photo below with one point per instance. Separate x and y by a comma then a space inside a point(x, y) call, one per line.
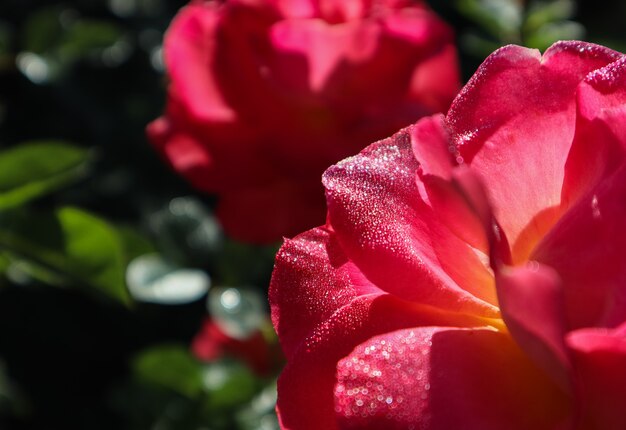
point(172, 367)
point(229, 384)
point(42, 30)
point(477, 45)
point(501, 18)
point(543, 12)
point(87, 35)
point(33, 169)
point(547, 34)
point(222, 384)
point(5, 262)
point(80, 247)
point(55, 30)
point(55, 38)
point(135, 243)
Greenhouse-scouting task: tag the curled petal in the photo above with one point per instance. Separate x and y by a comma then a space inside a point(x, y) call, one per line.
point(514, 122)
point(431, 146)
point(390, 233)
point(601, 119)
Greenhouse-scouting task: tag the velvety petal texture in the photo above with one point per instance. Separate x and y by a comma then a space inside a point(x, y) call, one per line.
point(470, 273)
point(266, 94)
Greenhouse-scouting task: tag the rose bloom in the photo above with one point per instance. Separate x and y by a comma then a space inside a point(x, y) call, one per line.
point(212, 343)
point(471, 272)
point(266, 94)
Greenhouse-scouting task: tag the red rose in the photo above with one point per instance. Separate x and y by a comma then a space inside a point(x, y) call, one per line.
point(266, 94)
point(471, 272)
point(212, 343)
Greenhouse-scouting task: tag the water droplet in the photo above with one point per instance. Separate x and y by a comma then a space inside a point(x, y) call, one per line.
point(595, 209)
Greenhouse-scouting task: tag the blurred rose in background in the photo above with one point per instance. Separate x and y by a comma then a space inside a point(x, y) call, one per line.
point(266, 94)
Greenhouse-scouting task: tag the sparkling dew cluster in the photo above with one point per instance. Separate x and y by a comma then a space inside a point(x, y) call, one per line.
point(471, 273)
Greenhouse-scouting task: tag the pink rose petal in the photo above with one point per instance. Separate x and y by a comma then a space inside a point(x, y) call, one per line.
point(390, 233)
point(443, 378)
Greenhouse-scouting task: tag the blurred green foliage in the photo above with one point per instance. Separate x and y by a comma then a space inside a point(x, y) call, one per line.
point(79, 349)
point(65, 247)
point(51, 165)
point(534, 23)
